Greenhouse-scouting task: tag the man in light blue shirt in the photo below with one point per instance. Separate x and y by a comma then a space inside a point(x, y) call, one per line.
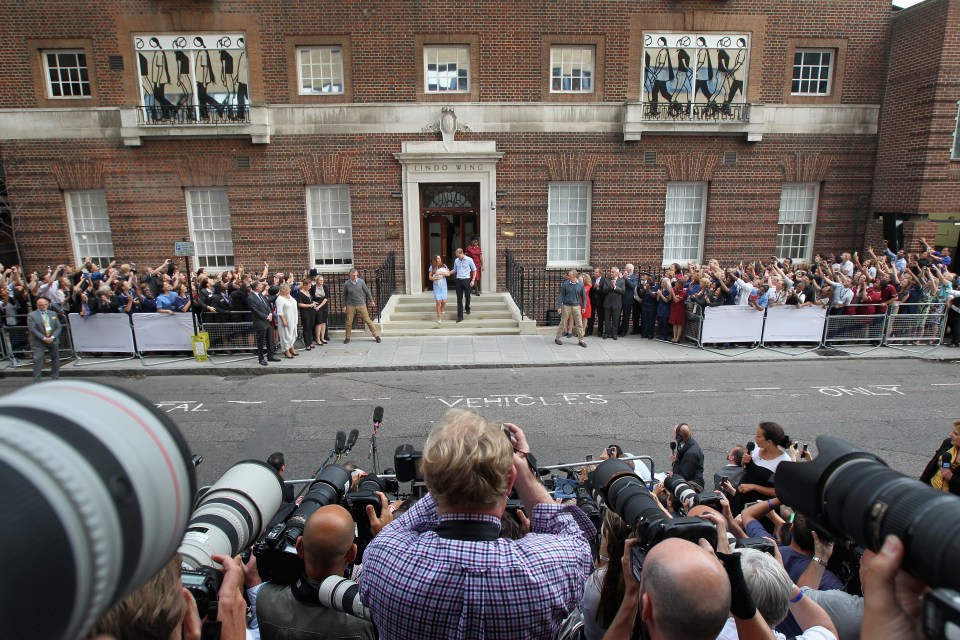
point(465, 272)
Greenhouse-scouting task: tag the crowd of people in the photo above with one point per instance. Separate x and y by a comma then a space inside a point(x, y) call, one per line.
point(282, 306)
point(458, 563)
point(619, 302)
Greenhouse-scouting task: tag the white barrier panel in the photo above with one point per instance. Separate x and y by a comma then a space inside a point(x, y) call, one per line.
point(101, 333)
point(789, 324)
point(163, 332)
point(731, 323)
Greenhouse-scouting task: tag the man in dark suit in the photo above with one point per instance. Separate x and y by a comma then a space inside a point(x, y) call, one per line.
point(629, 288)
point(612, 291)
point(596, 304)
point(44, 328)
point(259, 306)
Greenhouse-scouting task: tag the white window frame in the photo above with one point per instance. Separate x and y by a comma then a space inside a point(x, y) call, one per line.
point(551, 224)
point(315, 252)
point(813, 220)
point(670, 259)
point(955, 151)
point(461, 49)
point(560, 49)
point(831, 70)
point(203, 257)
point(332, 64)
point(49, 83)
point(71, 199)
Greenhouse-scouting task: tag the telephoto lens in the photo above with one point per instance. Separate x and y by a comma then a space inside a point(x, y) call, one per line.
point(853, 494)
point(232, 513)
point(683, 492)
point(98, 487)
point(343, 595)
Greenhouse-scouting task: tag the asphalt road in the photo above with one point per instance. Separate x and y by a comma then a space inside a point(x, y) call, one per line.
point(900, 410)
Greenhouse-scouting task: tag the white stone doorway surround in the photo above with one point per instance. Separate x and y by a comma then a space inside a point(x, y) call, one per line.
point(455, 162)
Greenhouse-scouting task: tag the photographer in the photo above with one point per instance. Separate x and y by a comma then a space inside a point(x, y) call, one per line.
point(940, 473)
point(292, 611)
point(442, 571)
point(163, 609)
point(687, 460)
point(603, 592)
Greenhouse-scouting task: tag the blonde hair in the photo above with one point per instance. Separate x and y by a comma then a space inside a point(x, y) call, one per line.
point(152, 612)
point(284, 288)
point(466, 461)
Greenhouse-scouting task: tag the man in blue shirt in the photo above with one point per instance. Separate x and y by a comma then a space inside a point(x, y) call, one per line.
point(465, 272)
point(571, 302)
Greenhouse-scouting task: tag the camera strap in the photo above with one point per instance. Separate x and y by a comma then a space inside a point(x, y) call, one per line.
point(468, 530)
point(303, 591)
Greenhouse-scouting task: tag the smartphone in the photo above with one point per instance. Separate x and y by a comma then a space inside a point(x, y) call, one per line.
point(805, 447)
point(610, 452)
point(724, 479)
point(589, 457)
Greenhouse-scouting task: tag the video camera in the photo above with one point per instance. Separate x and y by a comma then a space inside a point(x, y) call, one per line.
point(854, 495)
point(406, 461)
point(625, 493)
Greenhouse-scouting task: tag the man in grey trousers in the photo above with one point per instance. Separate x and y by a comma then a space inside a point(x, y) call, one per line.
point(44, 327)
point(356, 296)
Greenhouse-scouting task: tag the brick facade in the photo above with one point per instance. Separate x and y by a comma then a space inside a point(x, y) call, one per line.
point(859, 171)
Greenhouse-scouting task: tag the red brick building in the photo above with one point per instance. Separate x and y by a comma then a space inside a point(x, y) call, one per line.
point(572, 133)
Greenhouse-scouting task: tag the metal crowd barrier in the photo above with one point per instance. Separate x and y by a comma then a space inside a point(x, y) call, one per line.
point(16, 342)
point(865, 331)
point(231, 332)
point(924, 330)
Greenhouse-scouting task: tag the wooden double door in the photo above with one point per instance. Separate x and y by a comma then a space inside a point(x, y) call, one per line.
point(450, 218)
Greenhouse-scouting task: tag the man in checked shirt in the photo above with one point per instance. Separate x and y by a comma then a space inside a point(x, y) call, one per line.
point(441, 571)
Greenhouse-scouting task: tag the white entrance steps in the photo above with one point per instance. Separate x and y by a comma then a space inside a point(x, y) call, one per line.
point(491, 314)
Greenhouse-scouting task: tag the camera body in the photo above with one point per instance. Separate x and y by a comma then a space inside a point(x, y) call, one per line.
point(760, 544)
point(709, 499)
point(406, 460)
point(203, 583)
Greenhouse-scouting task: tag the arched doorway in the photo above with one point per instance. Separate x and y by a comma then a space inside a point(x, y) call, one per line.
point(449, 215)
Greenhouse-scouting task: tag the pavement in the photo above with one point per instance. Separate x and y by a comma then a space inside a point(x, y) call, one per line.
point(398, 353)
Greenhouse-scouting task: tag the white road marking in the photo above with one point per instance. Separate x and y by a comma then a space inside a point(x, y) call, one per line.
point(945, 384)
point(245, 401)
point(762, 389)
point(698, 390)
point(308, 400)
point(644, 392)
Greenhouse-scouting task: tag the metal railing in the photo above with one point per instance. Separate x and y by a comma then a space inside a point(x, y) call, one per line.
point(16, 341)
point(858, 329)
point(192, 114)
point(385, 282)
point(534, 289)
point(696, 112)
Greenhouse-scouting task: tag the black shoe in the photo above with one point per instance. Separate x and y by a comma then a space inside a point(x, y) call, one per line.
point(558, 341)
point(468, 311)
point(272, 359)
point(377, 338)
point(346, 340)
point(263, 362)
point(614, 336)
point(459, 319)
point(582, 344)
point(604, 337)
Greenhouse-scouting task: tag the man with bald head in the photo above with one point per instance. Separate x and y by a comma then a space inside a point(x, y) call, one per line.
point(688, 459)
point(288, 612)
point(684, 594)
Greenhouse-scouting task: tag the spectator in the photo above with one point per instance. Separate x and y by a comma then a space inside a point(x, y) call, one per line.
point(629, 289)
point(446, 548)
point(940, 472)
point(279, 462)
point(259, 306)
point(757, 480)
point(649, 291)
point(611, 291)
point(321, 300)
point(44, 328)
point(287, 314)
point(774, 592)
point(678, 310)
point(687, 461)
point(288, 612)
point(664, 297)
point(733, 470)
point(596, 304)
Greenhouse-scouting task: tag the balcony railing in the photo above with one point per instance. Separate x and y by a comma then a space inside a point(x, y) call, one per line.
point(192, 114)
point(696, 112)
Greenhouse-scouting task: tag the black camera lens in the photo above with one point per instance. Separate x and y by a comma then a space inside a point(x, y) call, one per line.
point(853, 494)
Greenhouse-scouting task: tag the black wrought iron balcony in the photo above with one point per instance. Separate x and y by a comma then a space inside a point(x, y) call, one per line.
point(696, 112)
point(192, 114)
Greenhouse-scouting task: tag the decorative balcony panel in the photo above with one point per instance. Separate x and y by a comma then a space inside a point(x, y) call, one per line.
point(695, 112)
